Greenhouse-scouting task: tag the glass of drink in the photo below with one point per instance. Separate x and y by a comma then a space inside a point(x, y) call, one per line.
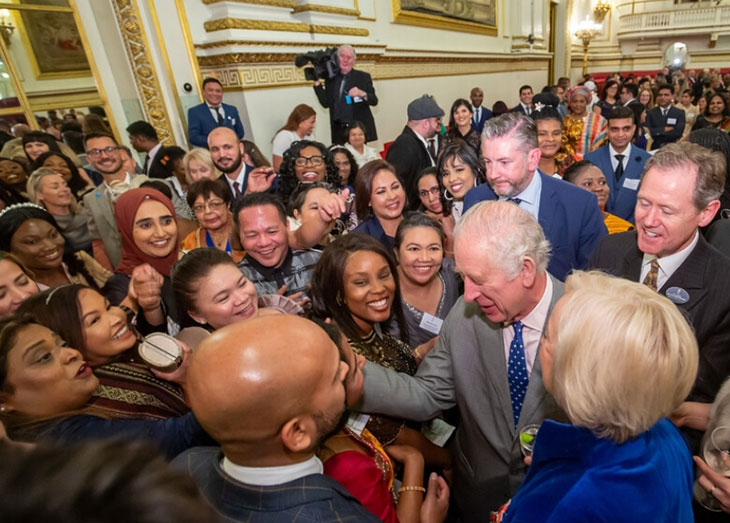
point(527, 439)
point(716, 453)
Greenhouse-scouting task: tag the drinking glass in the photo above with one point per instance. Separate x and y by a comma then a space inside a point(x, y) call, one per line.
point(527, 439)
point(716, 453)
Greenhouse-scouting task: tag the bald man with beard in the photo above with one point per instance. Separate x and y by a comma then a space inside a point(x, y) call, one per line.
point(269, 390)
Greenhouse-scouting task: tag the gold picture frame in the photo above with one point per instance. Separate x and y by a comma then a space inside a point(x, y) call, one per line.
point(52, 43)
point(404, 14)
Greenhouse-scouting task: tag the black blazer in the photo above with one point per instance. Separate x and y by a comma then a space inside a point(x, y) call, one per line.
point(409, 156)
point(360, 111)
point(705, 276)
point(656, 123)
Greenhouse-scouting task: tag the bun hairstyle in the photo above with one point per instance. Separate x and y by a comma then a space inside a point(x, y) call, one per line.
point(546, 107)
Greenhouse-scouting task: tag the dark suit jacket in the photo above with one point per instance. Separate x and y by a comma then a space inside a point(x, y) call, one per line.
point(224, 180)
point(467, 369)
point(705, 275)
point(409, 156)
point(201, 123)
point(570, 218)
point(486, 114)
point(656, 123)
point(312, 498)
point(622, 199)
point(518, 109)
point(156, 169)
point(327, 95)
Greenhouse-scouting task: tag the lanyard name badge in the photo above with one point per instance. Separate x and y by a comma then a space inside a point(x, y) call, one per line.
point(431, 323)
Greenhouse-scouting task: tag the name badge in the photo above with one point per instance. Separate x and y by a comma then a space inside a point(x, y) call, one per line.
point(631, 183)
point(678, 295)
point(431, 323)
point(357, 421)
point(671, 121)
point(233, 121)
point(357, 99)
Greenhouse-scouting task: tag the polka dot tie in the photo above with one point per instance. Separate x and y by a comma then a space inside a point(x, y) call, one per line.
point(517, 372)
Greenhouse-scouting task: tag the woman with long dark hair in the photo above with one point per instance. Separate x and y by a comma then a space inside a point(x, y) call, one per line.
point(460, 127)
point(299, 126)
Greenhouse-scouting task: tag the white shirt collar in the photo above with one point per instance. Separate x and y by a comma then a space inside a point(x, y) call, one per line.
point(152, 152)
point(613, 152)
point(127, 180)
point(269, 476)
point(669, 264)
point(536, 318)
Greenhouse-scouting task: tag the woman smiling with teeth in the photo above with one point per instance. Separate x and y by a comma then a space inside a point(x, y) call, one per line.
point(355, 283)
point(459, 171)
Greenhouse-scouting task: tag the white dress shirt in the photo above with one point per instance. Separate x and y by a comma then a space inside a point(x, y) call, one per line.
point(268, 476)
point(667, 264)
point(614, 162)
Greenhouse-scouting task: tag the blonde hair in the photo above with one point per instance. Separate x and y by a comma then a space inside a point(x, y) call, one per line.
point(624, 356)
point(200, 155)
point(33, 185)
point(509, 233)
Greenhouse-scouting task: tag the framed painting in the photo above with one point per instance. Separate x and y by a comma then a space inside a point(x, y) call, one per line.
point(466, 16)
point(52, 40)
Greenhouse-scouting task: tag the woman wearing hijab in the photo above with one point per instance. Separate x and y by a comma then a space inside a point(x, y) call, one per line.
point(148, 226)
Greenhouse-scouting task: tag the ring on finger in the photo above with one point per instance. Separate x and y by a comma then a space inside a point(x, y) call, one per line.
point(712, 490)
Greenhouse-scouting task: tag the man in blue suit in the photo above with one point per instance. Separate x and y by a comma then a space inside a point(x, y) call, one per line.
point(621, 162)
point(203, 118)
point(569, 215)
point(480, 114)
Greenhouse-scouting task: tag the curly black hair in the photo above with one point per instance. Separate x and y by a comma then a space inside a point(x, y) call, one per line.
point(76, 184)
point(287, 175)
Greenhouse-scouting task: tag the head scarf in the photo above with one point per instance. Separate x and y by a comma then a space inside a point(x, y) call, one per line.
point(125, 209)
point(580, 90)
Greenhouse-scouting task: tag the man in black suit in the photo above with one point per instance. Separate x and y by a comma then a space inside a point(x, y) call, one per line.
point(145, 141)
point(628, 94)
point(348, 96)
point(665, 122)
point(678, 194)
point(418, 145)
point(229, 157)
point(525, 105)
point(480, 113)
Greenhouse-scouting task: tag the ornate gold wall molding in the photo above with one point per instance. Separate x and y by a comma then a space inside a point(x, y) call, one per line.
point(291, 4)
point(241, 77)
point(326, 9)
point(221, 24)
point(143, 69)
point(279, 43)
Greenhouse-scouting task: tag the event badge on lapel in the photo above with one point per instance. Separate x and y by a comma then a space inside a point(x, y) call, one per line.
point(678, 295)
point(631, 183)
point(671, 121)
point(431, 323)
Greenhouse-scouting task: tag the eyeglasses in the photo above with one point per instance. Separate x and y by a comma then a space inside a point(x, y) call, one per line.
point(433, 190)
point(213, 205)
point(95, 153)
point(316, 161)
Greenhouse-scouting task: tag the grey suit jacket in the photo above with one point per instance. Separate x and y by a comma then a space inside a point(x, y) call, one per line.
point(467, 368)
point(99, 212)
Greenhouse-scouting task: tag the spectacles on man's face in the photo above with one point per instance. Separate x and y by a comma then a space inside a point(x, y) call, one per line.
point(96, 153)
point(316, 161)
point(433, 190)
point(213, 205)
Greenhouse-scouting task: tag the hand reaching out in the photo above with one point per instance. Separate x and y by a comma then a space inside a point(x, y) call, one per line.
point(145, 287)
point(260, 179)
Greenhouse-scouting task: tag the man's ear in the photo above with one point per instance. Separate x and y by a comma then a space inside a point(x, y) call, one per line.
point(299, 434)
point(528, 272)
point(709, 212)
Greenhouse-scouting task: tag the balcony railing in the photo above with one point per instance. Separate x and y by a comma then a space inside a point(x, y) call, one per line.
point(680, 20)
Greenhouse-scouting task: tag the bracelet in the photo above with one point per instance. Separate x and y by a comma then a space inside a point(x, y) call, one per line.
point(415, 353)
point(411, 488)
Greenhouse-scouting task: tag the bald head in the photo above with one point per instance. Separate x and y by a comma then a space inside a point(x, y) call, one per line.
point(226, 151)
point(267, 389)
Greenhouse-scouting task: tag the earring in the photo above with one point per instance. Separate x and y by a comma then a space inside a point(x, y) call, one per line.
point(338, 299)
point(2, 410)
point(447, 195)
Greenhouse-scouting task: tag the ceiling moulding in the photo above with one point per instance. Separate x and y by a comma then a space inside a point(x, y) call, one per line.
point(326, 9)
point(289, 4)
point(221, 24)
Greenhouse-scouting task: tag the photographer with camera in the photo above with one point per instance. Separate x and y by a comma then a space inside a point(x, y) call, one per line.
point(348, 94)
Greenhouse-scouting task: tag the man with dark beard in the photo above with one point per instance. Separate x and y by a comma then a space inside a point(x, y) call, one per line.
point(269, 407)
point(230, 158)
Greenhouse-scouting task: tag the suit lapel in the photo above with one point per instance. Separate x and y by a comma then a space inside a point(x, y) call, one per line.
point(493, 360)
point(547, 206)
point(690, 275)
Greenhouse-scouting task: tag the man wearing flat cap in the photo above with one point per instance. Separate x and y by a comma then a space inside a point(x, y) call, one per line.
point(418, 145)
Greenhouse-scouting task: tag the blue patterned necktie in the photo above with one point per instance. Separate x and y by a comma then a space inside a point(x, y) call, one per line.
point(517, 372)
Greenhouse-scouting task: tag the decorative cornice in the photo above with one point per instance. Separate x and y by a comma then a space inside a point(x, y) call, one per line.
point(145, 76)
point(279, 43)
point(221, 24)
point(291, 4)
point(326, 9)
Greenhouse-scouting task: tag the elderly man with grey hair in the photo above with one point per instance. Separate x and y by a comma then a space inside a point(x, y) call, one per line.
point(485, 362)
point(348, 95)
point(569, 215)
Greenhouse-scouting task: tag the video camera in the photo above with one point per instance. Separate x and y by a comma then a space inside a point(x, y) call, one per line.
point(324, 64)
